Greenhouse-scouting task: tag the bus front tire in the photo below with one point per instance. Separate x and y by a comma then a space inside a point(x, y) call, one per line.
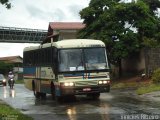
point(52, 90)
point(37, 94)
point(94, 95)
point(33, 87)
point(58, 98)
point(43, 95)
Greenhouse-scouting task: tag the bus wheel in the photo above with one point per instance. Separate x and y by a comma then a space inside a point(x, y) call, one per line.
point(43, 95)
point(94, 95)
point(37, 94)
point(40, 95)
point(33, 87)
point(52, 90)
point(58, 98)
point(70, 98)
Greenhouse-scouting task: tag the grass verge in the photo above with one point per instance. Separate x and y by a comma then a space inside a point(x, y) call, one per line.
point(141, 87)
point(19, 81)
point(8, 113)
point(122, 85)
point(148, 89)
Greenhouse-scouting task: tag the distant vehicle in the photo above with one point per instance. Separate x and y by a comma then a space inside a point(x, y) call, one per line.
point(67, 67)
point(11, 83)
point(2, 80)
point(11, 79)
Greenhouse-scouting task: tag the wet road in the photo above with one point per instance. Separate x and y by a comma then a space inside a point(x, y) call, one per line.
point(116, 105)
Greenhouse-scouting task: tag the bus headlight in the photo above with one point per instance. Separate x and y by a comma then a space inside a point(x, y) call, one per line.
point(105, 82)
point(68, 84)
point(4, 80)
point(102, 82)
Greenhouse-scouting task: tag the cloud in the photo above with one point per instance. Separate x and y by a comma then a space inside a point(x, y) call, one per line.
point(55, 13)
point(36, 14)
point(74, 10)
point(11, 49)
point(58, 15)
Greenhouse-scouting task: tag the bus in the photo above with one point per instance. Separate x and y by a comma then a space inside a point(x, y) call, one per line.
point(68, 67)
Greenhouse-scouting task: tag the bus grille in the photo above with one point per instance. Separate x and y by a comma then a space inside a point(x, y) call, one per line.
point(85, 83)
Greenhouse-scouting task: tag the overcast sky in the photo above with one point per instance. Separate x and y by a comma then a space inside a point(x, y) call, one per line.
point(37, 14)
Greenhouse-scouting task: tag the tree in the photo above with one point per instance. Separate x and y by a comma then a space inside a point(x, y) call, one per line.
point(6, 3)
point(5, 67)
point(131, 23)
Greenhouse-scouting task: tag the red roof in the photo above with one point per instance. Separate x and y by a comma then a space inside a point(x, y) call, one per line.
point(66, 25)
point(10, 59)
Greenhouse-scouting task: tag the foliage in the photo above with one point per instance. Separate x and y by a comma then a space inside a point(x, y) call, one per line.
point(134, 83)
point(156, 76)
point(151, 43)
point(148, 89)
point(131, 23)
point(19, 82)
point(124, 85)
point(8, 113)
point(5, 67)
point(6, 3)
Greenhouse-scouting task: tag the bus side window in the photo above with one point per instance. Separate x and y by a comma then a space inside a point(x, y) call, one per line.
point(49, 56)
point(54, 58)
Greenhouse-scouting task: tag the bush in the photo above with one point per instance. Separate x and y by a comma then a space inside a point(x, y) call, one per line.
point(5, 67)
point(147, 89)
point(156, 76)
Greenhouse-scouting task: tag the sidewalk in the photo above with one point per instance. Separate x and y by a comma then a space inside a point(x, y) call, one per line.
point(138, 81)
point(153, 96)
point(2, 102)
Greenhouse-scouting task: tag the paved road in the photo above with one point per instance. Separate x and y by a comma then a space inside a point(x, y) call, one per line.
point(116, 105)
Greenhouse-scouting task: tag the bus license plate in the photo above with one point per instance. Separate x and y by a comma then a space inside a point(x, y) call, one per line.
point(87, 89)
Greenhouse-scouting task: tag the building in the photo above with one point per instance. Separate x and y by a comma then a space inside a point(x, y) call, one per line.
point(64, 30)
point(17, 61)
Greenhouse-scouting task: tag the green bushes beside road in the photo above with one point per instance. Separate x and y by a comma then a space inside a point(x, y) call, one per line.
point(148, 89)
point(156, 76)
point(153, 86)
point(19, 81)
point(140, 86)
point(8, 113)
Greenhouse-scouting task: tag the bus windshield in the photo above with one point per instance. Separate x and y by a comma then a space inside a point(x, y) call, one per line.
point(82, 59)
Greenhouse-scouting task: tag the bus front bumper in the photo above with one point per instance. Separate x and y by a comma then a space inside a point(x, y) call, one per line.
point(85, 90)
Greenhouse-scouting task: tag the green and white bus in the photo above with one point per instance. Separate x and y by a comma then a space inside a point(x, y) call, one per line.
point(67, 67)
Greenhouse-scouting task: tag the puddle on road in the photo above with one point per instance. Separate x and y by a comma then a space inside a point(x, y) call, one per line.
point(82, 107)
point(7, 92)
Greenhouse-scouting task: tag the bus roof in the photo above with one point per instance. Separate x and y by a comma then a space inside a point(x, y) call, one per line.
point(70, 43)
point(75, 43)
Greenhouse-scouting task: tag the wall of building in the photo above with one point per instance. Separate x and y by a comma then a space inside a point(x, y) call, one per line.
point(145, 62)
point(66, 34)
point(134, 65)
point(152, 60)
